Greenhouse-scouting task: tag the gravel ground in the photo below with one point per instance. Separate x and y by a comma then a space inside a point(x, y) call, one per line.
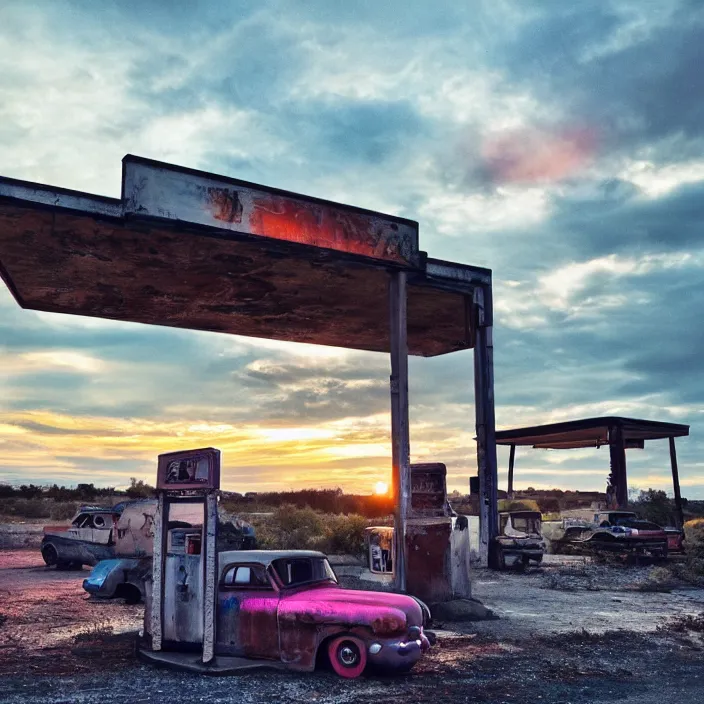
point(564, 635)
point(569, 598)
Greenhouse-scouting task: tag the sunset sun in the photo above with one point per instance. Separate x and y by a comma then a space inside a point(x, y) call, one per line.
point(381, 488)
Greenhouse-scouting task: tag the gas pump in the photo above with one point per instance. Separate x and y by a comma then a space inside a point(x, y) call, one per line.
point(437, 539)
point(180, 603)
point(437, 542)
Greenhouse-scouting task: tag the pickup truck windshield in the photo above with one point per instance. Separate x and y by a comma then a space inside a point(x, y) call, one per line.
point(293, 571)
point(530, 525)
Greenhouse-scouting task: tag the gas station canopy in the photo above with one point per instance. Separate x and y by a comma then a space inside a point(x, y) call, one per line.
point(190, 249)
point(193, 250)
point(619, 434)
point(590, 432)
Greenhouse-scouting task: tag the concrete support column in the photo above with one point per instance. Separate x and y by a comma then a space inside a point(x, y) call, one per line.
point(400, 438)
point(485, 422)
point(676, 483)
point(619, 475)
point(210, 559)
point(158, 554)
point(511, 461)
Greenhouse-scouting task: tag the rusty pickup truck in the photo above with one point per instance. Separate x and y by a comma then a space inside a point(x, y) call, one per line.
point(288, 607)
point(520, 540)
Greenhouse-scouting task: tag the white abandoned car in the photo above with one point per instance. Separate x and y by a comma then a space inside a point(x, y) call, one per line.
point(123, 572)
point(89, 539)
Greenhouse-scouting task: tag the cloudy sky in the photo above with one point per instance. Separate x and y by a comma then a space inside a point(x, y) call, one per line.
point(560, 144)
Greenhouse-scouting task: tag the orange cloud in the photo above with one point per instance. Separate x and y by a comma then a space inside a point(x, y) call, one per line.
point(533, 156)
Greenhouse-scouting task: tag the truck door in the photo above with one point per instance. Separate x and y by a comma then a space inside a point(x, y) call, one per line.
point(247, 613)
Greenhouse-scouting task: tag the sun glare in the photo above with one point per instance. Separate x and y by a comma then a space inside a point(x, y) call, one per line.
point(381, 488)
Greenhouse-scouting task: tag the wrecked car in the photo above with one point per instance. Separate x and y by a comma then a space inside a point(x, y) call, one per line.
point(288, 607)
point(89, 539)
point(123, 575)
point(120, 578)
point(610, 532)
point(520, 540)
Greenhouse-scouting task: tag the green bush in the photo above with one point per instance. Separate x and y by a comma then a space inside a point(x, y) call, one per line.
point(291, 528)
point(327, 501)
point(345, 534)
point(654, 505)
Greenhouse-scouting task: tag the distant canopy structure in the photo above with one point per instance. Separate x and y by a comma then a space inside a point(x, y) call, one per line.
point(620, 434)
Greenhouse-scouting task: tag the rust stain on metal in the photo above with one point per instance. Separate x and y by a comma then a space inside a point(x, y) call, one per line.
point(428, 558)
point(225, 204)
point(310, 223)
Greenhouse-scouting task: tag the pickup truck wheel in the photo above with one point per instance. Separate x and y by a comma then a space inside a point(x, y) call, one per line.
point(348, 656)
point(50, 555)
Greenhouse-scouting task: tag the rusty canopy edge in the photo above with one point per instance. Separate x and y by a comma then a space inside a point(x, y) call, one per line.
point(173, 193)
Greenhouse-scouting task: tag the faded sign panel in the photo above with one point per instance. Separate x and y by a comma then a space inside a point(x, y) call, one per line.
point(428, 489)
point(164, 191)
point(189, 469)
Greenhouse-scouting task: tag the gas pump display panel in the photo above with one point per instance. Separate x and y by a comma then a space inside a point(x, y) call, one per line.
point(189, 469)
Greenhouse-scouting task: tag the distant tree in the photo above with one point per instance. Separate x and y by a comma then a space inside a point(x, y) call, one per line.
point(548, 504)
point(138, 489)
point(30, 491)
point(654, 505)
point(58, 493)
point(86, 492)
point(7, 491)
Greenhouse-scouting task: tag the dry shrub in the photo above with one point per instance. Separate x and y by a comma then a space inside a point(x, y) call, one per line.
point(518, 505)
point(94, 631)
point(26, 508)
point(694, 537)
point(63, 510)
point(691, 571)
point(683, 624)
point(660, 579)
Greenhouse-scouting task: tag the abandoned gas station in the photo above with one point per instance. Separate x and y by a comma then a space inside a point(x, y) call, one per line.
point(190, 249)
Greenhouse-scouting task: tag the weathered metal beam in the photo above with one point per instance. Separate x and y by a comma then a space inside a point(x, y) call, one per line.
point(511, 461)
point(676, 483)
point(167, 192)
point(400, 439)
point(55, 197)
point(485, 422)
point(454, 276)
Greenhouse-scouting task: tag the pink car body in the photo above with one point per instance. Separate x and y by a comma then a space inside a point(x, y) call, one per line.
point(287, 606)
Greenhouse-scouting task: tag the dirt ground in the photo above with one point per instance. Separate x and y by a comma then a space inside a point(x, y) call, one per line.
point(567, 633)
